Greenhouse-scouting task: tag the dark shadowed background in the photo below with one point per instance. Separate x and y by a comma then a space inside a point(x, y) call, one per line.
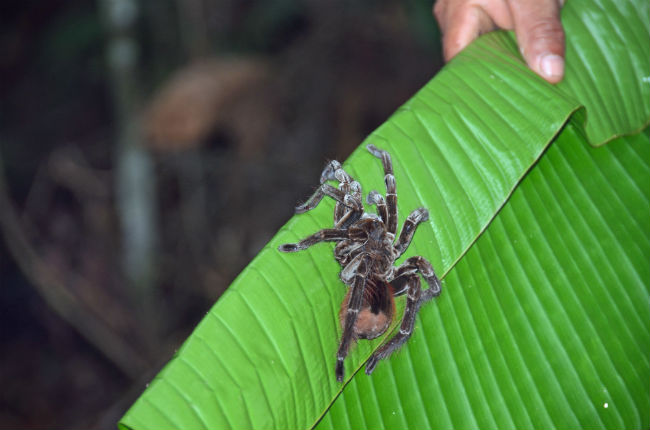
point(149, 149)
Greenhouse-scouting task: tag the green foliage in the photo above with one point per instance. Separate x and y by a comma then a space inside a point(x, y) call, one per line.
point(544, 321)
point(543, 317)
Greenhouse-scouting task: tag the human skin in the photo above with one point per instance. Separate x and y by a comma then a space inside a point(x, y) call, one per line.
point(536, 24)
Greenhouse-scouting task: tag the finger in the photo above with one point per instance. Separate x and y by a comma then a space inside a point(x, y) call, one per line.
point(462, 24)
point(540, 36)
point(462, 21)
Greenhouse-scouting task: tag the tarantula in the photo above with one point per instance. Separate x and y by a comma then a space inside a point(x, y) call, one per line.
point(366, 252)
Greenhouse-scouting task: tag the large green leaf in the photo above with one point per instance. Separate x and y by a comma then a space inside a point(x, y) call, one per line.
point(541, 323)
point(544, 322)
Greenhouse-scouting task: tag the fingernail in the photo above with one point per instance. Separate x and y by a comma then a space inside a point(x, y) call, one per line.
point(552, 65)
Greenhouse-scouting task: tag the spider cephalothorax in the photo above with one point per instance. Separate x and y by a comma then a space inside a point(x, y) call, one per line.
point(367, 250)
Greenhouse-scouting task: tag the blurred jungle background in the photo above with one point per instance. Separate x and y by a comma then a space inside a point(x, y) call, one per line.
point(148, 150)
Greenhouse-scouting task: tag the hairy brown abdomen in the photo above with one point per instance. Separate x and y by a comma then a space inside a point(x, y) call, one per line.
point(376, 311)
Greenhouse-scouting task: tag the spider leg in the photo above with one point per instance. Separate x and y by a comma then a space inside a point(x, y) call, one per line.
point(416, 264)
point(325, 235)
point(348, 203)
point(334, 172)
point(340, 196)
point(347, 218)
point(391, 188)
point(344, 216)
point(413, 303)
point(340, 211)
point(374, 198)
point(416, 217)
point(353, 306)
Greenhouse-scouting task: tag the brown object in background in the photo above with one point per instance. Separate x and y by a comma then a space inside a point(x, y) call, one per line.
point(209, 94)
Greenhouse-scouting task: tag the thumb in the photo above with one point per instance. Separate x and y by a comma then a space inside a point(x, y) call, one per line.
point(540, 36)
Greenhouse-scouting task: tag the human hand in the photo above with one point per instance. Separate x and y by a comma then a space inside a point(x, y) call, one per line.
point(536, 24)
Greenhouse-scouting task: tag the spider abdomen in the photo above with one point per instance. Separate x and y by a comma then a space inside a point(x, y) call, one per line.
point(376, 312)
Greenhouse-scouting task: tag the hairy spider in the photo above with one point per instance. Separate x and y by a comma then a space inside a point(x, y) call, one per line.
point(367, 253)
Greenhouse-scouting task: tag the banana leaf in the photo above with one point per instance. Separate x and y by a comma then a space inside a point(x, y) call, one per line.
point(540, 231)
